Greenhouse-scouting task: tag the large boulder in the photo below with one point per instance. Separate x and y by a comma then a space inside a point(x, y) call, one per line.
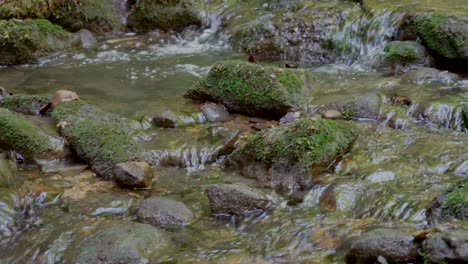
point(99, 138)
point(291, 154)
point(393, 245)
point(446, 36)
point(130, 243)
point(452, 205)
point(18, 134)
point(253, 89)
point(95, 15)
point(236, 199)
point(24, 103)
point(165, 213)
point(403, 56)
point(25, 41)
point(147, 15)
point(447, 247)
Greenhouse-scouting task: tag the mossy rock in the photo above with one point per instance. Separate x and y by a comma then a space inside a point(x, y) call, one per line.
point(99, 138)
point(147, 15)
point(290, 155)
point(403, 56)
point(25, 41)
point(451, 205)
point(25, 104)
point(95, 15)
point(253, 89)
point(18, 134)
point(465, 116)
point(446, 37)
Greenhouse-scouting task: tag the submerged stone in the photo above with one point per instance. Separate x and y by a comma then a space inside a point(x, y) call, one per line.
point(99, 138)
point(165, 213)
point(291, 154)
point(132, 243)
point(236, 199)
point(24, 103)
point(394, 245)
point(430, 76)
point(25, 41)
point(253, 89)
point(17, 133)
point(175, 15)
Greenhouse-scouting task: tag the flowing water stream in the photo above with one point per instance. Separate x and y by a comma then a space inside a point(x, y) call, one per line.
point(400, 162)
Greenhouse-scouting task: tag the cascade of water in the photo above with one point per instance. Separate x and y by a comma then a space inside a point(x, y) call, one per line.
point(365, 35)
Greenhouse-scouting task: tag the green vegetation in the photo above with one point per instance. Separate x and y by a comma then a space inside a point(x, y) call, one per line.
point(309, 143)
point(18, 134)
point(96, 15)
point(25, 104)
point(251, 88)
point(166, 15)
point(457, 202)
point(97, 137)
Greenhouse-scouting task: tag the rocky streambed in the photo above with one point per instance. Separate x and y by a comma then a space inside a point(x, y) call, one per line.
point(342, 139)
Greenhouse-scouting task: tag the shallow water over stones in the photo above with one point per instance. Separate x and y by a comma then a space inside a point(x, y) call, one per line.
point(406, 154)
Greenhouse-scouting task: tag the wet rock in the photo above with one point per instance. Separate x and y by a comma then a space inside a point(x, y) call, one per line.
point(99, 138)
point(165, 213)
point(289, 117)
point(235, 199)
point(147, 15)
point(445, 115)
point(133, 174)
point(444, 35)
point(394, 245)
point(252, 89)
point(86, 38)
point(452, 205)
point(447, 247)
point(215, 113)
point(3, 93)
point(169, 119)
point(430, 76)
point(18, 134)
point(291, 154)
point(332, 114)
point(8, 169)
point(295, 31)
point(132, 243)
point(24, 103)
point(359, 106)
point(25, 41)
point(403, 56)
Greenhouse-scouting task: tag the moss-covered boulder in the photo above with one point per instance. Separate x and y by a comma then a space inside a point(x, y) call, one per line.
point(25, 41)
point(452, 205)
point(403, 56)
point(99, 138)
point(253, 89)
point(446, 37)
point(166, 15)
point(291, 155)
point(95, 15)
point(17, 133)
point(25, 103)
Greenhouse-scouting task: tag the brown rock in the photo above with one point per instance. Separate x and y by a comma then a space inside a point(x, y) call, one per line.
point(135, 174)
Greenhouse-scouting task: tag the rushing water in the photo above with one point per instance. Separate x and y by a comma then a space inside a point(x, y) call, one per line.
point(399, 163)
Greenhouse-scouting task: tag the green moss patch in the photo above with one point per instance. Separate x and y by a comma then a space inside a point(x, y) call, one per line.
point(297, 151)
point(456, 203)
point(18, 134)
point(98, 138)
point(26, 41)
point(166, 15)
point(253, 89)
point(25, 104)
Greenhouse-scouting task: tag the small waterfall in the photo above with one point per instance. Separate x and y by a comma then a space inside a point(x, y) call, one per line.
point(445, 115)
point(365, 34)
